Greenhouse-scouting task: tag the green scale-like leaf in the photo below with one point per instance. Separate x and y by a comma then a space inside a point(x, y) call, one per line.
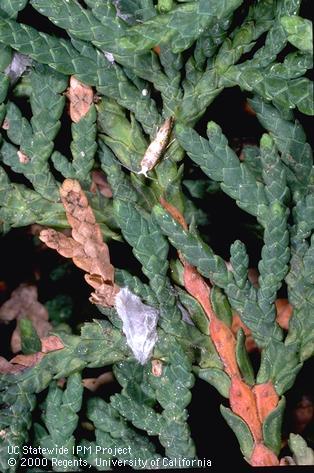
point(35, 138)
point(217, 378)
point(60, 408)
point(83, 148)
point(112, 81)
point(11, 7)
point(180, 26)
point(279, 363)
point(21, 206)
point(259, 319)
point(285, 93)
point(104, 28)
point(301, 294)
point(220, 163)
point(239, 261)
point(201, 87)
point(243, 359)
point(89, 65)
point(111, 428)
point(125, 139)
point(141, 391)
point(290, 140)
point(272, 427)
point(240, 429)
point(143, 234)
point(194, 250)
point(29, 339)
point(61, 419)
point(17, 391)
point(299, 32)
point(15, 421)
point(278, 82)
point(302, 454)
point(273, 266)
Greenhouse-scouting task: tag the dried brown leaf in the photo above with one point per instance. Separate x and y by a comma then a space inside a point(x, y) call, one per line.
point(61, 382)
point(284, 313)
point(28, 360)
point(51, 343)
point(24, 303)
point(81, 97)
point(174, 212)
point(248, 109)
point(21, 298)
point(88, 426)
point(95, 383)
point(7, 368)
point(23, 158)
point(3, 286)
point(21, 362)
point(99, 182)
point(86, 246)
point(35, 229)
point(64, 245)
point(157, 368)
point(287, 461)
point(253, 276)
point(5, 124)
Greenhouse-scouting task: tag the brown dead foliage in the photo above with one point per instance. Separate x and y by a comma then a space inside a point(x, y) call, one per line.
point(284, 313)
point(9, 368)
point(81, 97)
point(5, 124)
point(100, 182)
point(51, 343)
point(3, 286)
point(21, 362)
point(27, 360)
point(157, 368)
point(174, 212)
point(85, 246)
point(23, 158)
point(24, 303)
point(92, 384)
point(248, 109)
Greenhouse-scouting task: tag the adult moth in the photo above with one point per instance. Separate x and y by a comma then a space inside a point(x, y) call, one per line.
point(156, 148)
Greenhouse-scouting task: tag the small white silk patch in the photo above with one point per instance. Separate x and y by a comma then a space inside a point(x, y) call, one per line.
point(139, 323)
